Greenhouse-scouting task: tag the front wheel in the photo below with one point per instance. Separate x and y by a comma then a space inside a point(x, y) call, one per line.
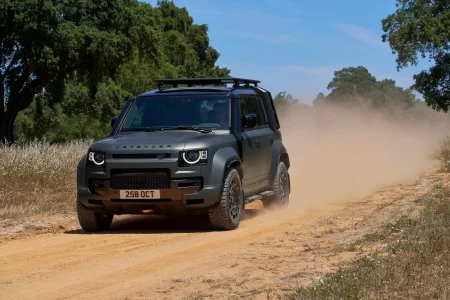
point(92, 221)
point(226, 215)
point(281, 188)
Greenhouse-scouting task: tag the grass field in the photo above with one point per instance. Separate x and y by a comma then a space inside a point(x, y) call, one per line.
point(39, 178)
point(412, 260)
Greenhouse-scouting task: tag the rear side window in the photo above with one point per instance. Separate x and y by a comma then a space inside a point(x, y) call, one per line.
point(249, 105)
point(264, 118)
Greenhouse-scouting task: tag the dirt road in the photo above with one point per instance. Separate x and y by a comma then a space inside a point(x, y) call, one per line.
point(156, 258)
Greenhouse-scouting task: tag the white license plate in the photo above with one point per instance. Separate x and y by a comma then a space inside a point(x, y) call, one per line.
point(140, 194)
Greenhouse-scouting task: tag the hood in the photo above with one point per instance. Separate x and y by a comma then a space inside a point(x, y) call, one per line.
point(146, 141)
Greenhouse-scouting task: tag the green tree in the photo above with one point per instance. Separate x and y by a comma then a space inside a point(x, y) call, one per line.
point(44, 42)
point(164, 42)
point(283, 100)
point(422, 28)
point(351, 83)
point(357, 87)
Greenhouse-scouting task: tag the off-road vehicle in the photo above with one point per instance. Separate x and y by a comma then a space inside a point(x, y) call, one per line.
point(205, 146)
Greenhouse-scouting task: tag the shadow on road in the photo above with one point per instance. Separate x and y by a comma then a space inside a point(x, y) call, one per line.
point(145, 224)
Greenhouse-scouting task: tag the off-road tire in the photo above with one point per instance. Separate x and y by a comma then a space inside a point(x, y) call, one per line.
point(92, 221)
point(281, 189)
point(227, 214)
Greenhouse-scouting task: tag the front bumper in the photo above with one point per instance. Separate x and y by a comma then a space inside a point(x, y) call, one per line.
point(183, 197)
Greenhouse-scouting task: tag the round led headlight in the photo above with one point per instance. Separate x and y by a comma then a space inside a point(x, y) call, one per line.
point(97, 158)
point(193, 157)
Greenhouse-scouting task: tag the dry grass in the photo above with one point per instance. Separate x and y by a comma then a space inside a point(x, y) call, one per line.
point(444, 156)
point(414, 265)
point(39, 178)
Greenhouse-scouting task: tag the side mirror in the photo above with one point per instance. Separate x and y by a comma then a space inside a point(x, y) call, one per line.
point(113, 121)
point(248, 121)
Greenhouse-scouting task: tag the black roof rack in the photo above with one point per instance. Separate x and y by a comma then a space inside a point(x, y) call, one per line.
point(206, 81)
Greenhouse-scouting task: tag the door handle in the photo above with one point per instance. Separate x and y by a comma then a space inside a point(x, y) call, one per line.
point(271, 140)
point(258, 143)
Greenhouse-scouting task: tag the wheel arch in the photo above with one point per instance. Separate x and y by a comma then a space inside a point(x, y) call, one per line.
point(279, 154)
point(223, 159)
point(237, 164)
point(284, 157)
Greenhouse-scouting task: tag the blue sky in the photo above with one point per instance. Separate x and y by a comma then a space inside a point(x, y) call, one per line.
point(296, 45)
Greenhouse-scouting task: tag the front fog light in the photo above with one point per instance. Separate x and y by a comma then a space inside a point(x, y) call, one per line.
point(195, 157)
point(97, 158)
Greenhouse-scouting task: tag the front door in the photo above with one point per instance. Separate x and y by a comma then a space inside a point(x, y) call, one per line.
point(250, 157)
point(253, 156)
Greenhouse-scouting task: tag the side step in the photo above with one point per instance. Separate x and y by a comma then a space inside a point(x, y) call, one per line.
point(258, 197)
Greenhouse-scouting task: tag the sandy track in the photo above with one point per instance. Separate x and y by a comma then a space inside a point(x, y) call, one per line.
point(149, 258)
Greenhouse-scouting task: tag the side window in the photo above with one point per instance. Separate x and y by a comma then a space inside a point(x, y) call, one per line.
point(249, 105)
point(264, 118)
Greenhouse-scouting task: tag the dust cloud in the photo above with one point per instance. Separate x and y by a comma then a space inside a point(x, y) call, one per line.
point(342, 154)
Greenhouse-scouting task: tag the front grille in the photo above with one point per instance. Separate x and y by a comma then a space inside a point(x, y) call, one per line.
point(142, 155)
point(140, 181)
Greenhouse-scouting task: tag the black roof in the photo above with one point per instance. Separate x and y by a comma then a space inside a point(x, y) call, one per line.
point(206, 81)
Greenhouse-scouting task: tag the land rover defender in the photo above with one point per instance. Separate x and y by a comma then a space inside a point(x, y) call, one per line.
point(205, 146)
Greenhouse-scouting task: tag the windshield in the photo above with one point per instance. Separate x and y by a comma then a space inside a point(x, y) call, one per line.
point(210, 112)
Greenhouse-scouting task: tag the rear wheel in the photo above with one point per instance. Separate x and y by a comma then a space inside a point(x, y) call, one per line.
point(93, 221)
point(281, 188)
point(227, 214)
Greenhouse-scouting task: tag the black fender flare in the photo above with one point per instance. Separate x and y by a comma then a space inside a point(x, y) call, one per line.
point(222, 160)
point(279, 153)
point(81, 173)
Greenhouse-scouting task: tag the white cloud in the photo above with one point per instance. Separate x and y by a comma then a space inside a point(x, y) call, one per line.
point(361, 34)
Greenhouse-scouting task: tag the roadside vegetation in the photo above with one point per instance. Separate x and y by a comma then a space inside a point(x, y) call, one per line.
point(39, 178)
point(412, 260)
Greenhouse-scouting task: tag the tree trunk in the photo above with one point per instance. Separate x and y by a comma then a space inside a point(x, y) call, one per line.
point(6, 128)
point(7, 118)
point(3, 129)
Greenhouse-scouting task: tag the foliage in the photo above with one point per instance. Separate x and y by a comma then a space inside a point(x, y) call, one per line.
point(283, 100)
point(421, 28)
point(82, 58)
point(43, 43)
point(355, 86)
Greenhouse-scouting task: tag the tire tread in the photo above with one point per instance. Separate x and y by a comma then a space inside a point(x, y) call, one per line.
point(219, 215)
point(91, 221)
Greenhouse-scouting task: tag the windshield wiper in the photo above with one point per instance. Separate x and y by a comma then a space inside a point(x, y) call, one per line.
point(198, 129)
point(139, 129)
point(181, 127)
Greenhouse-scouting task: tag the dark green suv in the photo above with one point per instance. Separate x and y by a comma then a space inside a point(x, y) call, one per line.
point(193, 146)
